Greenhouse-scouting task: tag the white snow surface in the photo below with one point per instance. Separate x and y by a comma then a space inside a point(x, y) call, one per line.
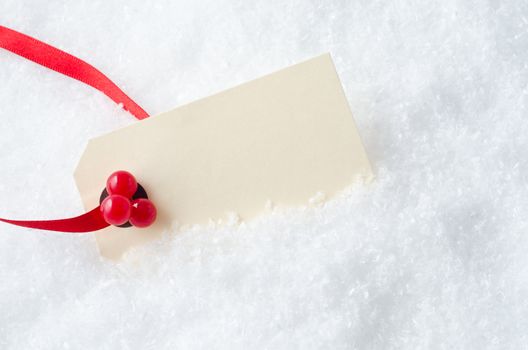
point(433, 254)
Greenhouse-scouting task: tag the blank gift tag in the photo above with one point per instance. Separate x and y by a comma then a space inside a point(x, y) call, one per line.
point(282, 138)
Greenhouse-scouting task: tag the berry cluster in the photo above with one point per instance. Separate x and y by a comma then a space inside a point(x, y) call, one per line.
point(119, 207)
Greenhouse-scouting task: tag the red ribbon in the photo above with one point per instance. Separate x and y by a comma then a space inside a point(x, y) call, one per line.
point(91, 221)
point(62, 62)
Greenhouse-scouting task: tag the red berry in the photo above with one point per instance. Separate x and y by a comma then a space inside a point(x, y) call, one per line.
point(123, 183)
point(116, 209)
point(143, 213)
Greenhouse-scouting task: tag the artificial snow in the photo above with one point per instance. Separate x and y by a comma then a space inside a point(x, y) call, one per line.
point(432, 254)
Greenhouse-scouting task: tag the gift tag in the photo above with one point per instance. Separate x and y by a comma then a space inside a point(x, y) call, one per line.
point(279, 139)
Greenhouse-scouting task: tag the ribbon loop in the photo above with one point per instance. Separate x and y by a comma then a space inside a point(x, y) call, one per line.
point(64, 63)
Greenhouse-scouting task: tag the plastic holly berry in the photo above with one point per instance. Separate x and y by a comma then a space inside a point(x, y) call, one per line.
point(143, 213)
point(123, 183)
point(116, 209)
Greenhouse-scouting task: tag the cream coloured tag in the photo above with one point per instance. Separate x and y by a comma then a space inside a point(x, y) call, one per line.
point(281, 138)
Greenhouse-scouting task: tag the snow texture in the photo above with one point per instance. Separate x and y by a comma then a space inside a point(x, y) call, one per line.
point(433, 254)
